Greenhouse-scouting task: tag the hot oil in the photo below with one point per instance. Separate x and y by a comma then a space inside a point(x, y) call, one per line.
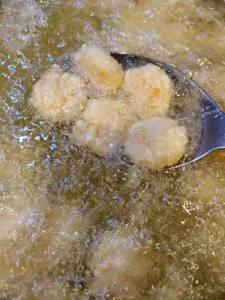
point(59, 202)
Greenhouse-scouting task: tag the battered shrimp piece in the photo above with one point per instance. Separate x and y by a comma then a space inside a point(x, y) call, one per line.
point(120, 263)
point(156, 142)
point(61, 230)
point(98, 140)
point(59, 96)
point(12, 222)
point(103, 125)
point(150, 90)
point(102, 70)
point(107, 113)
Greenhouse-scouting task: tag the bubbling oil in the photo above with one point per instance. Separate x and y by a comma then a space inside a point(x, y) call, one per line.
point(59, 203)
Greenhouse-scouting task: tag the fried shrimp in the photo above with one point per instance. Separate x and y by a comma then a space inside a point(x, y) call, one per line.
point(150, 90)
point(120, 262)
point(59, 96)
point(101, 69)
point(156, 143)
point(103, 125)
point(107, 114)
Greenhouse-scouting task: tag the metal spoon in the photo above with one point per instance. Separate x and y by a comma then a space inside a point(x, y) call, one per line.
point(212, 119)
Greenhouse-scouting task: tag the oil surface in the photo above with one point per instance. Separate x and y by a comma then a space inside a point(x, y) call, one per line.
point(57, 202)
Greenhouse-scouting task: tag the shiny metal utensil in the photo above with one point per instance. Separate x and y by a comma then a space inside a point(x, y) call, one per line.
point(212, 119)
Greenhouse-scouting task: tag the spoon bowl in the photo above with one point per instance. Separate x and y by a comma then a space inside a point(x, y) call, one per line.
point(198, 106)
